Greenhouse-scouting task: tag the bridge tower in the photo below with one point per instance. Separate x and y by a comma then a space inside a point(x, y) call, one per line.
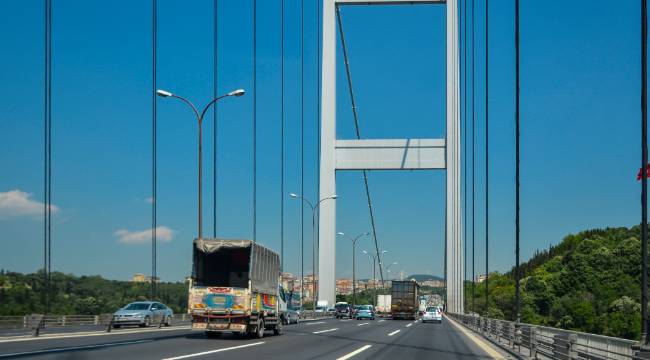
point(393, 154)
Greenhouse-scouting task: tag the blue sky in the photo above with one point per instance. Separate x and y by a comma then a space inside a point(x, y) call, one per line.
point(580, 128)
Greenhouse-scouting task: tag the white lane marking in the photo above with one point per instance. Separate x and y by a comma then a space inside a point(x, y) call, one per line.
point(346, 319)
point(363, 324)
point(355, 352)
point(481, 344)
point(314, 323)
point(381, 320)
point(214, 351)
point(394, 332)
point(324, 331)
point(409, 325)
point(90, 333)
point(73, 348)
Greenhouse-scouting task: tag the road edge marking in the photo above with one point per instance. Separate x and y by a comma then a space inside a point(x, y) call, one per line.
point(355, 352)
point(213, 351)
point(91, 333)
point(72, 348)
point(479, 342)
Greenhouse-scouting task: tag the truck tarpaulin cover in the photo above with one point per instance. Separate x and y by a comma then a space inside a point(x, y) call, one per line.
point(263, 263)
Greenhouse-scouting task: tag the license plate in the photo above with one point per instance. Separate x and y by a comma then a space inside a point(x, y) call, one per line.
point(238, 326)
point(199, 325)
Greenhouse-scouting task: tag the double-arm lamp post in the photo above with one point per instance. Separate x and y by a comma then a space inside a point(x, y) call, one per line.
point(199, 118)
point(374, 273)
point(354, 278)
point(313, 227)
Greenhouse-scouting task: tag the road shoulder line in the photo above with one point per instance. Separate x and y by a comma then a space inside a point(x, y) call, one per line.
point(479, 342)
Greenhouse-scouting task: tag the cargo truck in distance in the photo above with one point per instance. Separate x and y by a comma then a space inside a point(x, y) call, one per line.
point(235, 287)
point(404, 299)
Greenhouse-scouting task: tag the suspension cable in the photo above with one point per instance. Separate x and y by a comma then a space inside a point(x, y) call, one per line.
point(215, 74)
point(254, 120)
point(644, 164)
point(487, 173)
point(302, 147)
point(473, 165)
point(47, 146)
point(154, 149)
point(356, 126)
point(282, 138)
point(464, 150)
point(517, 166)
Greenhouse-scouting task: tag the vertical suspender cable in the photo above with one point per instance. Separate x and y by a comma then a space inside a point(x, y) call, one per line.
point(47, 147)
point(464, 150)
point(473, 167)
point(154, 142)
point(282, 138)
point(644, 165)
point(487, 172)
point(302, 144)
point(318, 36)
point(215, 75)
point(254, 120)
point(517, 169)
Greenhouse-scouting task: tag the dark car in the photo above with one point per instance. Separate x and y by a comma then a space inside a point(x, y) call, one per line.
point(343, 310)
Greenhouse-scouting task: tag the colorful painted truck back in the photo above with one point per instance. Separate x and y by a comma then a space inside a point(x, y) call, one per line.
point(235, 287)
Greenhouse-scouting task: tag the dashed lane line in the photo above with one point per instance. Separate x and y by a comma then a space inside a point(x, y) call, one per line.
point(381, 320)
point(315, 323)
point(355, 352)
point(409, 325)
point(362, 324)
point(394, 332)
point(324, 331)
point(213, 351)
point(70, 348)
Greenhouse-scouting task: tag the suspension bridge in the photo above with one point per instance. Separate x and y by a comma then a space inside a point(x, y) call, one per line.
point(464, 334)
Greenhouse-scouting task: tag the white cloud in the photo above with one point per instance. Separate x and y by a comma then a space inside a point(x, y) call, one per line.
point(149, 200)
point(163, 233)
point(19, 203)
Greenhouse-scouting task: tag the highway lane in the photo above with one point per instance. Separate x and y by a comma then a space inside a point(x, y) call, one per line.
point(323, 339)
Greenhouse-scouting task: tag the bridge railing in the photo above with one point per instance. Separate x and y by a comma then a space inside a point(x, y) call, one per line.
point(542, 342)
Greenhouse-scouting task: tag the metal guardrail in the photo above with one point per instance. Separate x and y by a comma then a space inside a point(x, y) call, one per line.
point(541, 342)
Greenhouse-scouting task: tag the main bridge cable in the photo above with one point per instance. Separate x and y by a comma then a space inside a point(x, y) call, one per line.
point(47, 178)
point(487, 173)
point(356, 126)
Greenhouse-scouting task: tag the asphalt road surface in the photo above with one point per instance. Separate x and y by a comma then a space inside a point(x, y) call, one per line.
point(322, 339)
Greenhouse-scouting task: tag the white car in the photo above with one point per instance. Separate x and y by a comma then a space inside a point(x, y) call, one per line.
point(432, 313)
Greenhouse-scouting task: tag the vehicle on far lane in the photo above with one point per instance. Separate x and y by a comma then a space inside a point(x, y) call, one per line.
point(365, 312)
point(343, 310)
point(432, 313)
point(143, 313)
point(291, 316)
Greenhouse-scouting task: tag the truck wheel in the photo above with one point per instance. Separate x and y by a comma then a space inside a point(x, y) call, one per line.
point(278, 329)
point(259, 331)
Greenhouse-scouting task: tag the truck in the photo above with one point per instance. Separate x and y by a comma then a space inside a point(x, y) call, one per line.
point(404, 299)
point(235, 287)
point(383, 303)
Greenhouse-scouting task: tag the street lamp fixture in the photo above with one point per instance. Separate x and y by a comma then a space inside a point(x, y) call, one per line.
point(314, 208)
point(354, 279)
point(199, 118)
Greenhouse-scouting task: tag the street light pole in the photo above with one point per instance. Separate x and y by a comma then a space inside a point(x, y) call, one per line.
point(354, 277)
point(374, 274)
point(313, 228)
point(199, 118)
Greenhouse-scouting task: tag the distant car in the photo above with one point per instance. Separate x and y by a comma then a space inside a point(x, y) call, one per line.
point(321, 309)
point(331, 311)
point(292, 316)
point(143, 313)
point(432, 313)
point(343, 310)
point(365, 312)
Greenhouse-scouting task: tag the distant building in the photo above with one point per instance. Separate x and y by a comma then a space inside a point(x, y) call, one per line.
point(433, 283)
point(344, 286)
point(139, 278)
point(481, 277)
